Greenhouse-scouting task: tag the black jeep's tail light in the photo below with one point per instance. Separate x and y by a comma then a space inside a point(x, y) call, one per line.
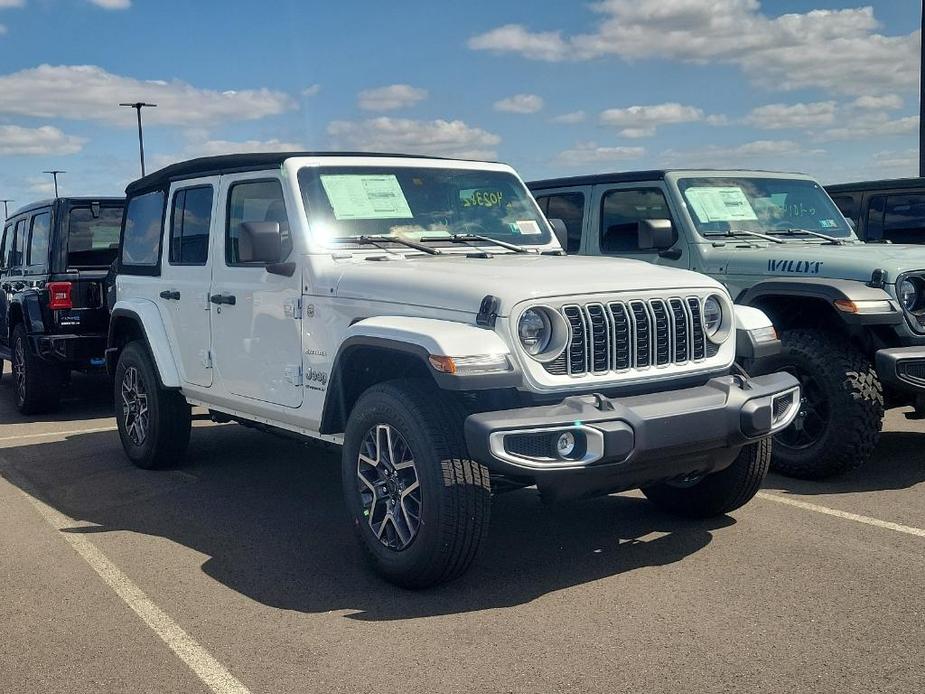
point(59, 295)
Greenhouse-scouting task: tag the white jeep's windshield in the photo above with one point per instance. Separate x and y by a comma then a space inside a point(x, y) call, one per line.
point(720, 205)
point(421, 204)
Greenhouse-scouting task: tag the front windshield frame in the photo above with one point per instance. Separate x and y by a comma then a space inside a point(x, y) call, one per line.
point(822, 216)
point(329, 231)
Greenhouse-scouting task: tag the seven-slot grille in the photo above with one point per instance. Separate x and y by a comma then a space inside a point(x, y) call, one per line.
point(636, 334)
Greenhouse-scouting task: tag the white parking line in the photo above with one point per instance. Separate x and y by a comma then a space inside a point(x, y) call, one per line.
point(215, 675)
point(876, 522)
point(57, 433)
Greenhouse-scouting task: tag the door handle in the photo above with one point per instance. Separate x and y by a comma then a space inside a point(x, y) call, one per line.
point(170, 294)
point(223, 299)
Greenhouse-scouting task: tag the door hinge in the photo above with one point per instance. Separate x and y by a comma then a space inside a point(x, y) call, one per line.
point(293, 309)
point(205, 356)
point(294, 375)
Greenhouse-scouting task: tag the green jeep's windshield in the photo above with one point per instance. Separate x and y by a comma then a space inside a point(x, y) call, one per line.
point(764, 205)
point(420, 203)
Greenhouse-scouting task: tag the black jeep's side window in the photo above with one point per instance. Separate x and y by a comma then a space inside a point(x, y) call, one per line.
point(904, 218)
point(621, 212)
point(255, 201)
point(37, 257)
point(570, 208)
point(190, 220)
point(848, 205)
point(141, 237)
point(7, 238)
point(19, 246)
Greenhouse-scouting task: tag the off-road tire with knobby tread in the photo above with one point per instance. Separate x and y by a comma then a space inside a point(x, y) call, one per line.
point(42, 380)
point(169, 416)
point(456, 491)
point(720, 492)
point(855, 400)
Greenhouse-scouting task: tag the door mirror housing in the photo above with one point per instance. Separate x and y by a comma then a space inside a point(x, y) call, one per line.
point(260, 242)
point(656, 234)
point(561, 232)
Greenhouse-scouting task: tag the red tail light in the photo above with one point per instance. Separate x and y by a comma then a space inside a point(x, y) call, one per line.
point(59, 295)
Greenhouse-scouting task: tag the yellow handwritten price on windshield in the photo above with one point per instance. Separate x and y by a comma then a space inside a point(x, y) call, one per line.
point(482, 198)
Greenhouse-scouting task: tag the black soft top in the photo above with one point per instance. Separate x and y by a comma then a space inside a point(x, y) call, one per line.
point(626, 177)
point(882, 184)
point(66, 202)
point(235, 163)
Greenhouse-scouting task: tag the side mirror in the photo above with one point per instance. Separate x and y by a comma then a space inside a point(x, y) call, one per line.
point(561, 232)
point(260, 242)
point(655, 234)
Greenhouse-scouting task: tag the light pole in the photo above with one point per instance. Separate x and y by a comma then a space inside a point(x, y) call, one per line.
point(54, 173)
point(6, 208)
point(138, 105)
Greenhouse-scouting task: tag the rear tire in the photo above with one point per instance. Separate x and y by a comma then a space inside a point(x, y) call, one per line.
point(720, 492)
point(154, 423)
point(839, 423)
point(36, 383)
point(440, 502)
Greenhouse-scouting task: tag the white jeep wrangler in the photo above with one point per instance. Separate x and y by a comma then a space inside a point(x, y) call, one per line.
point(417, 311)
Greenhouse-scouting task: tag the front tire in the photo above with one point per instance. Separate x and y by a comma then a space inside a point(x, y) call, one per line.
point(154, 423)
point(420, 506)
point(717, 493)
point(36, 383)
point(841, 415)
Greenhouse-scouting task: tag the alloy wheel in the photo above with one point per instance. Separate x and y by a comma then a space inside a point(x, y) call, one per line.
point(19, 370)
point(812, 420)
point(388, 485)
point(134, 406)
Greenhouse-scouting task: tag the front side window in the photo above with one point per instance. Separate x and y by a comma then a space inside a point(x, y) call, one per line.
point(848, 204)
point(723, 204)
point(190, 221)
point(37, 257)
point(93, 235)
point(903, 219)
point(621, 212)
point(255, 201)
point(570, 208)
point(428, 204)
point(19, 247)
point(141, 238)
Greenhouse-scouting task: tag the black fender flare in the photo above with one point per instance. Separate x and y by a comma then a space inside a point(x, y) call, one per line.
point(29, 307)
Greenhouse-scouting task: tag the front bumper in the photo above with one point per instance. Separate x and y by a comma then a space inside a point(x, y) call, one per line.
point(902, 368)
point(624, 443)
point(76, 351)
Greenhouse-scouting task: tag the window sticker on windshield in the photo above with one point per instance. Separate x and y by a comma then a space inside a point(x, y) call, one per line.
point(720, 204)
point(365, 196)
point(529, 228)
point(828, 223)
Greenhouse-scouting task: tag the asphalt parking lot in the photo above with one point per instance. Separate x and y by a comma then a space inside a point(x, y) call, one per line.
point(238, 572)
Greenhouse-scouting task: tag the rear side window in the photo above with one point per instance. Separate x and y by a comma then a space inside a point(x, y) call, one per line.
point(255, 201)
point(93, 235)
point(621, 213)
point(190, 220)
point(141, 237)
point(570, 208)
point(904, 218)
point(37, 257)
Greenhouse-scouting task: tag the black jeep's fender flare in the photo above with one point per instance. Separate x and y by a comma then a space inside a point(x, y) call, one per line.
point(26, 304)
point(828, 290)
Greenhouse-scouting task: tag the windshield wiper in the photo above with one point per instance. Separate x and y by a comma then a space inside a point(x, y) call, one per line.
point(745, 232)
point(377, 242)
point(793, 232)
point(469, 238)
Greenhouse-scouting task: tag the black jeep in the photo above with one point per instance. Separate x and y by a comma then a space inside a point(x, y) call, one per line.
point(54, 260)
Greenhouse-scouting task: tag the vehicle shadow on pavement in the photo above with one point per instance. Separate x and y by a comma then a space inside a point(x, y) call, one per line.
point(898, 463)
point(87, 396)
point(268, 512)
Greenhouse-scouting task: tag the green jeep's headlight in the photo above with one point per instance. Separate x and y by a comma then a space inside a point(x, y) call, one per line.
point(910, 294)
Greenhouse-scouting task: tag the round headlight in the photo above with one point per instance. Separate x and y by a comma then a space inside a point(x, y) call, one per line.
point(909, 294)
point(712, 316)
point(535, 331)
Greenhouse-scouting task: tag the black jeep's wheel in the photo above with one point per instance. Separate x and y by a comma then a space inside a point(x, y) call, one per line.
point(419, 504)
point(838, 425)
point(717, 493)
point(154, 423)
point(36, 383)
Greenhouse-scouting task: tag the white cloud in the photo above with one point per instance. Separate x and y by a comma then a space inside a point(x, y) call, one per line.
point(389, 98)
point(772, 154)
point(870, 125)
point(46, 140)
point(592, 153)
point(3, 30)
point(520, 103)
point(112, 4)
point(781, 116)
point(885, 102)
point(11, 3)
point(436, 137)
point(213, 148)
point(642, 121)
point(311, 90)
point(897, 164)
point(88, 92)
point(836, 50)
point(570, 118)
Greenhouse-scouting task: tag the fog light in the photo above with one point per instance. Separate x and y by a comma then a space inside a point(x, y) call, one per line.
point(565, 444)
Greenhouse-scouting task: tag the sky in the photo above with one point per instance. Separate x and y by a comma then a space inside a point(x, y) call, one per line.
point(554, 88)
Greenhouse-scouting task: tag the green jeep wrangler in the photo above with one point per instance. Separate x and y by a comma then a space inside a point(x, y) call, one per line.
point(851, 315)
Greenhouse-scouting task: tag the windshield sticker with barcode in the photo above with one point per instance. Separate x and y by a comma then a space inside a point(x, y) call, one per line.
point(529, 228)
point(365, 196)
point(720, 204)
point(828, 223)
